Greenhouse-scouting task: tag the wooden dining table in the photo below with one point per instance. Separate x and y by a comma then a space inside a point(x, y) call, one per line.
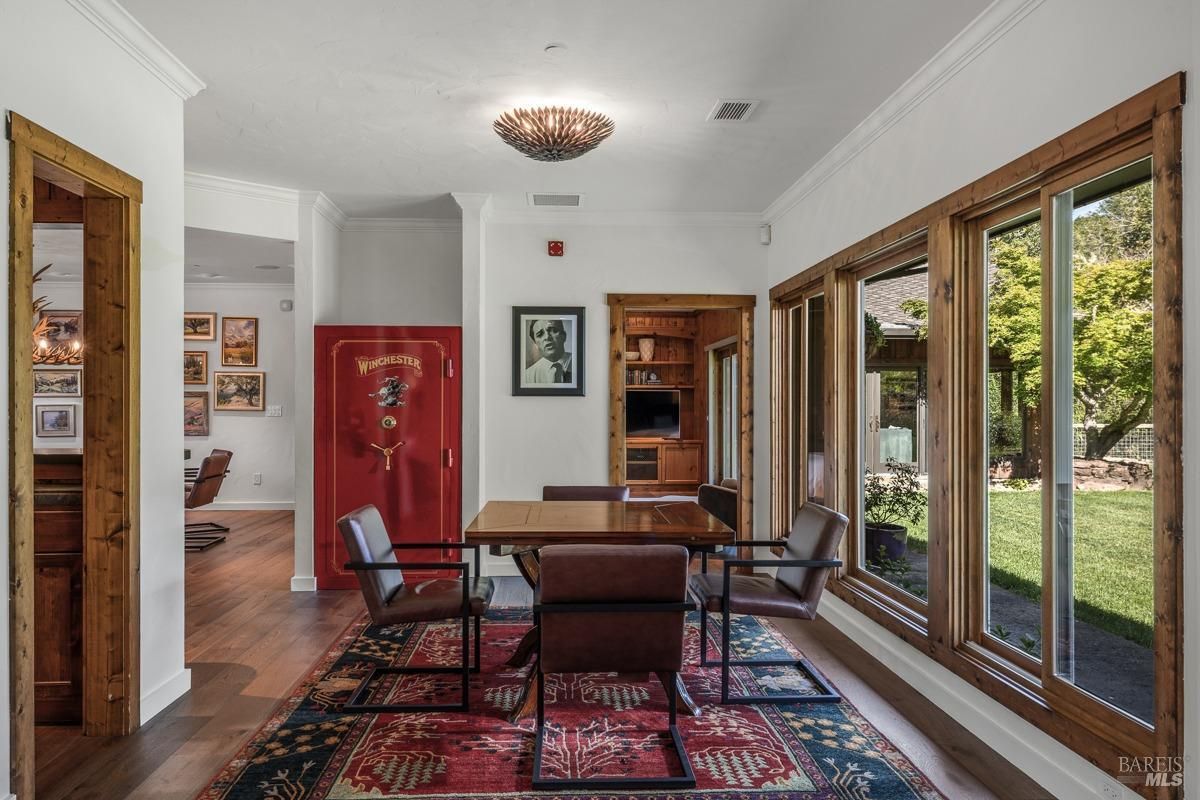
point(519, 528)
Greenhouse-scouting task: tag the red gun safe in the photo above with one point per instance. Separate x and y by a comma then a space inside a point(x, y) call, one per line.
point(387, 428)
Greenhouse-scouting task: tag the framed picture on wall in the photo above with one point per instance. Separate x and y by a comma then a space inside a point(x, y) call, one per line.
point(239, 391)
point(58, 383)
point(195, 366)
point(548, 345)
point(239, 342)
point(200, 326)
point(53, 421)
point(60, 328)
point(195, 413)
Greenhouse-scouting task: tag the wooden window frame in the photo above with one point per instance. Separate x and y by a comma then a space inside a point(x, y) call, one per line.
point(1148, 122)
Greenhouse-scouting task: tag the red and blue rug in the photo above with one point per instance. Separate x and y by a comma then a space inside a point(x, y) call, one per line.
point(598, 725)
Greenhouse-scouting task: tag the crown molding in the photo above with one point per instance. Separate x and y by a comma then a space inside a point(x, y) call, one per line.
point(402, 224)
point(207, 284)
point(984, 31)
point(674, 219)
point(475, 203)
point(320, 203)
point(117, 24)
point(232, 186)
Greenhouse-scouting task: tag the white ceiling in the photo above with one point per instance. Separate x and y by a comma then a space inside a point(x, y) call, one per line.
point(386, 105)
point(209, 256)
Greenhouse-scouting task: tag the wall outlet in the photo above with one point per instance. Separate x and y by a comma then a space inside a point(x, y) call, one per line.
point(274, 411)
point(258, 479)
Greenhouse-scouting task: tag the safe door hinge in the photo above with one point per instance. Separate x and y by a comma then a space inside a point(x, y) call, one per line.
point(449, 451)
point(449, 372)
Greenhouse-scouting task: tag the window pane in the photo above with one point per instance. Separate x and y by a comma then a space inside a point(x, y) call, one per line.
point(1013, 370)
point(1104, 506)
point(796, 411)
point(893, 365)
point(814, 398)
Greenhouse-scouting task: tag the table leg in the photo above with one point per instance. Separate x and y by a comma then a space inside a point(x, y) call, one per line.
point(527, 700)
point(525, 649)
point(684, 703)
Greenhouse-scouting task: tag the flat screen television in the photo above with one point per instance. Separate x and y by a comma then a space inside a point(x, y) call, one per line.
point(652, 413)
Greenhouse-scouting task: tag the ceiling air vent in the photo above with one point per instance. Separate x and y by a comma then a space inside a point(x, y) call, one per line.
point(555, 200)
point(732, 110)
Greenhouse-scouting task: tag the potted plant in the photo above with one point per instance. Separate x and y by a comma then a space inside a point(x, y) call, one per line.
point(890, 501)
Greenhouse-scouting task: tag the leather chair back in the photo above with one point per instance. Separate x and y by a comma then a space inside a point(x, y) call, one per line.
point(816, 535)
point(629, 641)
point(612, 494)
point(208, 479)
point(721, 502)
point(366, 539)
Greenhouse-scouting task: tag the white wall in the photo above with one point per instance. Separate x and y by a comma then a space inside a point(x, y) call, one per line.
point(259, 443)
point(1059, 63)
point(401, 272)
point(116, 109)
point(532, 441)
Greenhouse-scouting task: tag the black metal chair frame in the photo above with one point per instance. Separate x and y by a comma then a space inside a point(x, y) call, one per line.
point(358, 702)
point(827, 695)
point(198, 536)
point(685, 781)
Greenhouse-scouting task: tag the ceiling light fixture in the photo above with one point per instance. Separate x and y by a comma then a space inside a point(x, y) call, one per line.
point(553, 133)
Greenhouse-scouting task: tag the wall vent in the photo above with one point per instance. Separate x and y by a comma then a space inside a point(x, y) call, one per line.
point(732, 110)
point(555, 199)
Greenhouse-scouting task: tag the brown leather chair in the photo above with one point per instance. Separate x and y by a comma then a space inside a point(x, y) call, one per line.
point(392, 601)
point(612, 608)
point(810, 553)
point(200, 491)
point(612, 494)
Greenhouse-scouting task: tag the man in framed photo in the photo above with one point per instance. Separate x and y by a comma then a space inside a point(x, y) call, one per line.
point(555, 364)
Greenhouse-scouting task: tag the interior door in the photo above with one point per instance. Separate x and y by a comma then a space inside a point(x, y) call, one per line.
point(388, 423)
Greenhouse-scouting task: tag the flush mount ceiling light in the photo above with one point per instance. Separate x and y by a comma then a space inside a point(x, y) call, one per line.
point(553, 133)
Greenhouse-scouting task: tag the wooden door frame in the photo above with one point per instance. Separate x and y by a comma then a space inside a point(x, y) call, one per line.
point(111, 551)
point(744, 304)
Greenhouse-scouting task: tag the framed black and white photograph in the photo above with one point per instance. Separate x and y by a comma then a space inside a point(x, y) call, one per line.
point(54, 420)
point(548, 343)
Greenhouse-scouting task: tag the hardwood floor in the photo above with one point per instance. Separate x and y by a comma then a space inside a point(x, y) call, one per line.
point(249, 639)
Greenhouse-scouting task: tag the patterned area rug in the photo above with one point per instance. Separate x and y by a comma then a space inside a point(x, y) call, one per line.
point(598, 725)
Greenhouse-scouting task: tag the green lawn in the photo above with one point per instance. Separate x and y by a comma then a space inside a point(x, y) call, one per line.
point(1114, 555)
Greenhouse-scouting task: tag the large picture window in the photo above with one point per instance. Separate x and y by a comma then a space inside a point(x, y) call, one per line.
point(1103, 390)
point(998, 395)
point(893, 417)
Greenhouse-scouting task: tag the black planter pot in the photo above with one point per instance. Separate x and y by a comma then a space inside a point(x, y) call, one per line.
point(892, 538)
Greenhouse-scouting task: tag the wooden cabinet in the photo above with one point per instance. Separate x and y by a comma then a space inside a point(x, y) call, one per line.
point(665, 465)
point(58, 589)
point(680, 463)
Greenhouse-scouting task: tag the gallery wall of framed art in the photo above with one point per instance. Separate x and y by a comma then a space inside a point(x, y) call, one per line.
point(237, 387)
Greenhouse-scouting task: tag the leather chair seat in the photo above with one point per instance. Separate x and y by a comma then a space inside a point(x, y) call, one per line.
point(438, 598)
point(750, 595)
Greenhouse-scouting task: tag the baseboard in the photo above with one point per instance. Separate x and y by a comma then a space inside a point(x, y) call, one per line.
point(497, 566)
point(250, 505)
point(165, 693)
point(1057, 768)
point(301, 584)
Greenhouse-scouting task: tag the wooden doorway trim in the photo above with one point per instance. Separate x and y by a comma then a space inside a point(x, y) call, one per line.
point(618, 304)
point(111, 628)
